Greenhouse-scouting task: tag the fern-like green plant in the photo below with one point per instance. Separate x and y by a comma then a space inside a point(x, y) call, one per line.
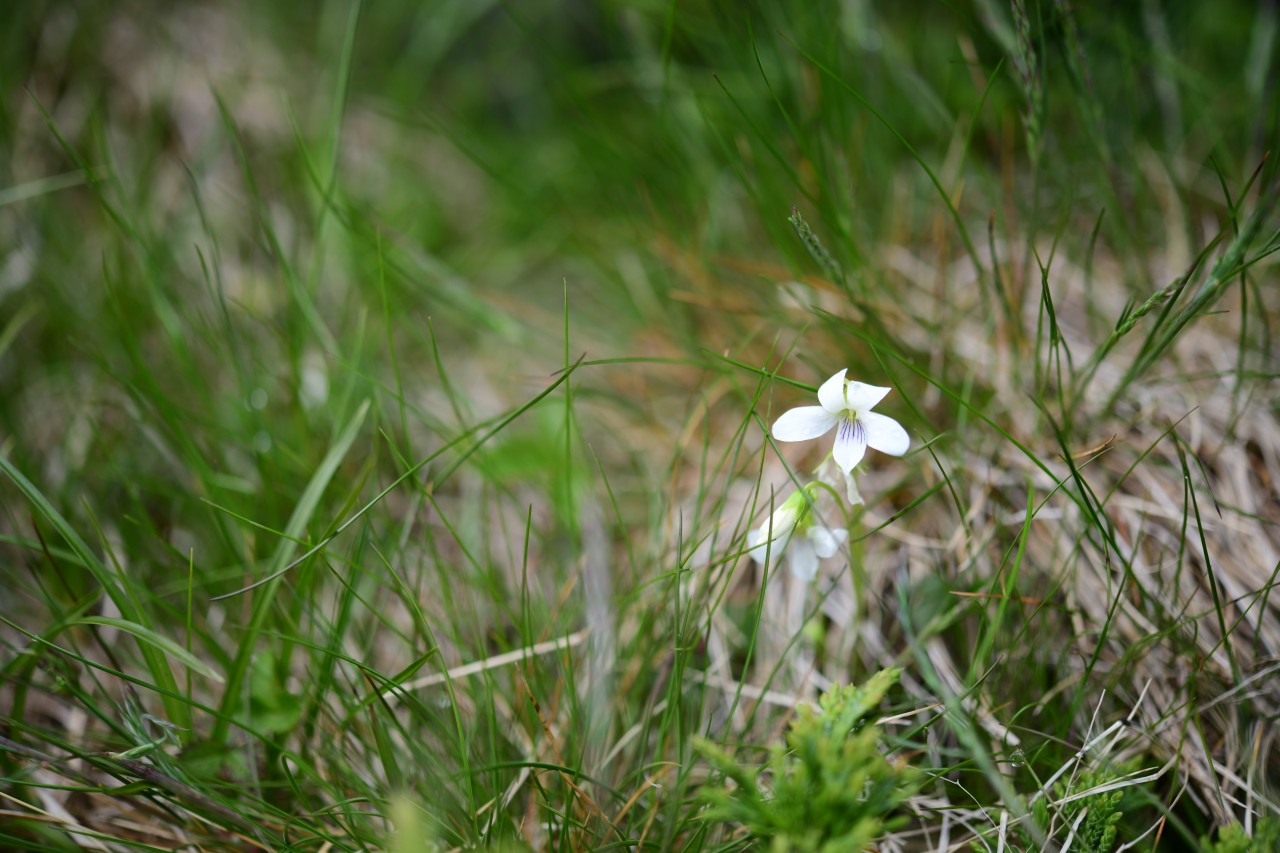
point(1097, 832)
point(829, 788)
point(1233, 838)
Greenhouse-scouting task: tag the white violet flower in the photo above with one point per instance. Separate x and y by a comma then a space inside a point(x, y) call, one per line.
point(846, 405)
point(816, 540)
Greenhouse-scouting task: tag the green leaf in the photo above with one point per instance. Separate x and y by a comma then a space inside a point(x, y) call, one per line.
point(145, 635)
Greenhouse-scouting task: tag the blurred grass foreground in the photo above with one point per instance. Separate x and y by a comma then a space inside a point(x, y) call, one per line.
point(386, 394)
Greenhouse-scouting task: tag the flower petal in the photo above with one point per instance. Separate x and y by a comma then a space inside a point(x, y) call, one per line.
point(803, 560)
point(851, 444)
point(831, 394)
point(826, 541)
point(761, 547)
point(803, 423)
point(861, 396)
point(885, 434)
point(851, 489)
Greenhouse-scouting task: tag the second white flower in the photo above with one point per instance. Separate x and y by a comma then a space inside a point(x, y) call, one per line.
point(796, 529)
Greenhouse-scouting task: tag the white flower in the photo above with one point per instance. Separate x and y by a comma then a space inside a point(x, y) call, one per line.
point(816, 540)
point(846, 405)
